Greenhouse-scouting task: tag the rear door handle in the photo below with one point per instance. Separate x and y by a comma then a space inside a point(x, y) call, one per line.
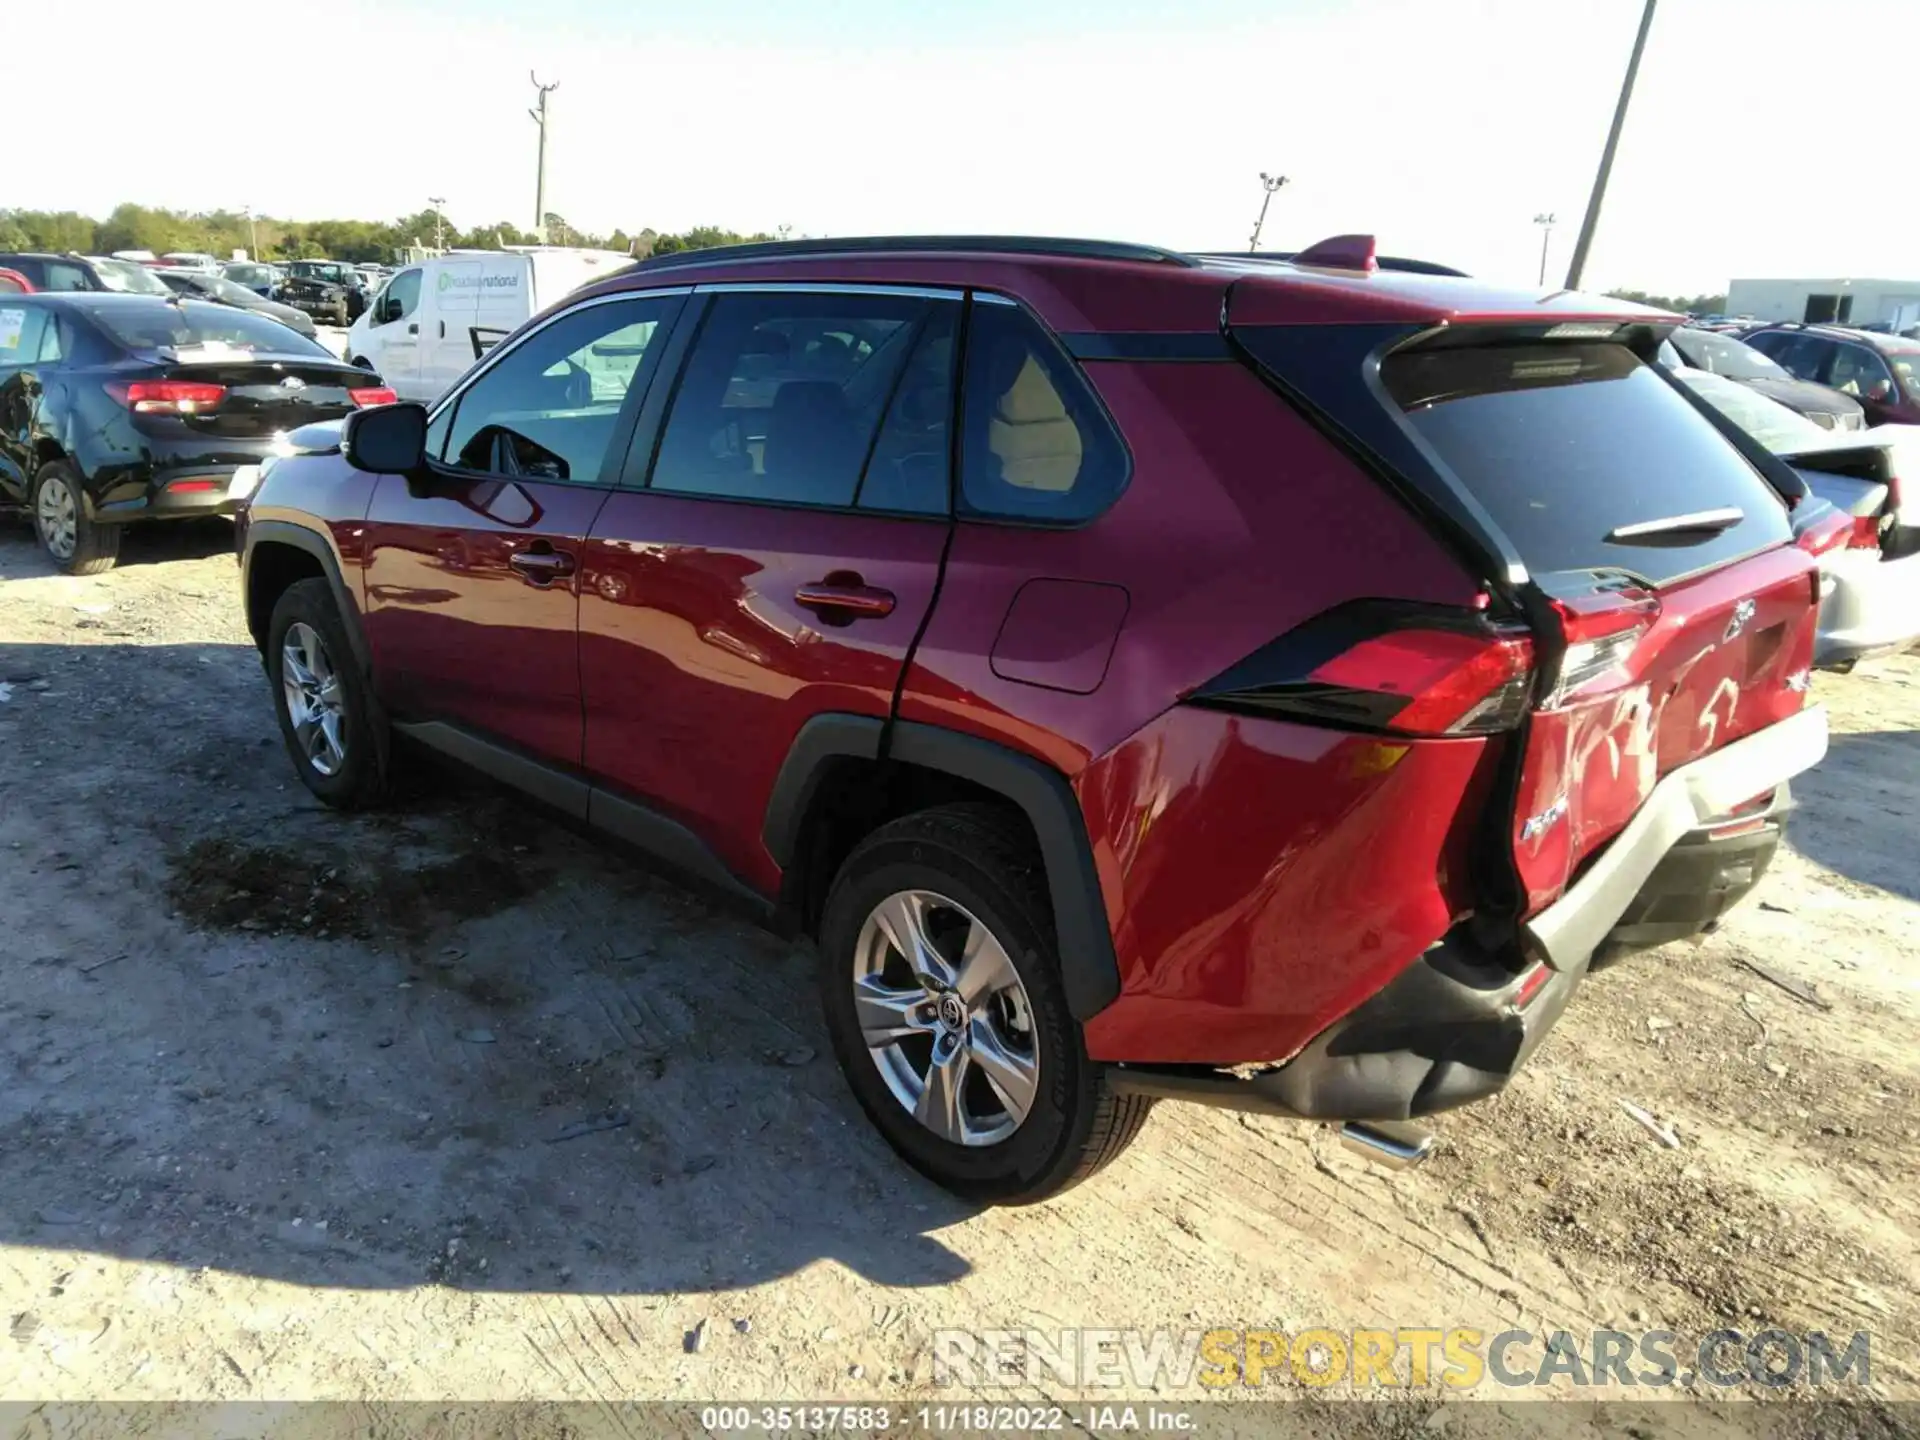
point(543, 565)
point(840, 603)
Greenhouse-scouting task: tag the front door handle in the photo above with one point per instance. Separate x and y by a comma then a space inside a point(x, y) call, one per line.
point(839, 601)
point(414, 329)
point(543, 564)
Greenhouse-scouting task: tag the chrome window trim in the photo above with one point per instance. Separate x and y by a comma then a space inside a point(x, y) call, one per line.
point(500, 352)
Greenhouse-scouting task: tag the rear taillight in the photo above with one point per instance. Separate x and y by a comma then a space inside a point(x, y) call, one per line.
point(1865, 534)
point(1601, 631)
point(1405, 670)
point(1832, 530)
point(372, 395)
point(168, 397)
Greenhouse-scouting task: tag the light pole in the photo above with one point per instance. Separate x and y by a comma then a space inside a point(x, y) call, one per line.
point(1269, 183)
point(1546, 223)
point(439, 220)
point(253, 235)
point(1599, 194)
point(540, 175)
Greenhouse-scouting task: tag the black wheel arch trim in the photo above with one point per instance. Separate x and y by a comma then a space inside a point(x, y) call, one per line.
point(285, 532)
point(1089, 969)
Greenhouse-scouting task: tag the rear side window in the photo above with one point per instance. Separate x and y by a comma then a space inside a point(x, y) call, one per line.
point(782, 396)
point(1037, 445)
point(911, 461)
point(1567, 444)
point(20, 334)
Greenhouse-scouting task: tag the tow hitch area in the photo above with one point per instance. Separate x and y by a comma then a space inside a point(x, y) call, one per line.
point(1390, 1144)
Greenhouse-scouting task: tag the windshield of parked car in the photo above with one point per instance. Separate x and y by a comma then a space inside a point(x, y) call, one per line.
point(1780, 429)
point(249, 274)
point(1723, 355)
point(334, 274)
point(193, 325)
point(126, 276)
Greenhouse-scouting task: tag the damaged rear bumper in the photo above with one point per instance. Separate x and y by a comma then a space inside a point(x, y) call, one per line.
point(1457, 1024)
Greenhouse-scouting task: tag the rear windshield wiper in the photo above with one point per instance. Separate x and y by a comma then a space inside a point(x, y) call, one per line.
point(1677, 529)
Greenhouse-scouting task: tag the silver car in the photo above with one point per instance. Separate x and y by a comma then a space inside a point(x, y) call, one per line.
point(1870, 583)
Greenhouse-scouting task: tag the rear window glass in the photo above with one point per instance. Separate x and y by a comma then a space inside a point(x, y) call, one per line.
point(1564, 444)
point(140, 324)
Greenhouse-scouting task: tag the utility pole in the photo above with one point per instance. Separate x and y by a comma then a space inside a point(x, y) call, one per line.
point(1546, 223)
point(1270, 183)
point(1588, 225)
point(540, 176)
point(253, 235)
point(439, 203)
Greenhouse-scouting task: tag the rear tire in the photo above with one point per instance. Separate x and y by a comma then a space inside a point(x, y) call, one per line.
point(334, 732)
point(73, 540)
point(974, 868)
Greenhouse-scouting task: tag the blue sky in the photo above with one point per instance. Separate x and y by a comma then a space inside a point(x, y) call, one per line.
point(1443, 126)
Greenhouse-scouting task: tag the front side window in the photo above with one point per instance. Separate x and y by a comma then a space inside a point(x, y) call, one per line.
point(400, 299)
point(62, 276)
point(782, 396)
point(1035, 444)
point(549, 408)
point(1802, 356)
point(1858, 372)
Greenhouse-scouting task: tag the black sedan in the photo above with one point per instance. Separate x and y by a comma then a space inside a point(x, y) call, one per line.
point(1720, 354)
point(117, 408)
point(203, 286)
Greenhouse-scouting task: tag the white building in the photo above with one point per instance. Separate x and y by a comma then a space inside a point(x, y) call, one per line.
point(1842, 302)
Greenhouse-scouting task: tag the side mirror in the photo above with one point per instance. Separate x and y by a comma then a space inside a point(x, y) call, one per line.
point(386, 440)
point(389, 311)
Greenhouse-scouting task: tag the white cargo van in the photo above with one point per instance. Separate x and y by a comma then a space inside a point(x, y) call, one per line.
point(431, 321)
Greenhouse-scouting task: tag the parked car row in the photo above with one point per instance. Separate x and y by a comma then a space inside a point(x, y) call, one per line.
point(117, 407)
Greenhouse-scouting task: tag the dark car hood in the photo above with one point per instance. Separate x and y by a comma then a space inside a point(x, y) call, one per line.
point(1804, 396)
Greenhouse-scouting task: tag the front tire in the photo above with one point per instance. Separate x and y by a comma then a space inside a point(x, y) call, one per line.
point(73, 540)
point(333, 730)
point(940, 980)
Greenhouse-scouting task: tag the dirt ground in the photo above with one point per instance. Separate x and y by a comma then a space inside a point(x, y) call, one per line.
point(450, 1103)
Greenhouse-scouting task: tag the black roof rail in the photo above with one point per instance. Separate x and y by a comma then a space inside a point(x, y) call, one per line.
point(1383, 262)
point(918, 244)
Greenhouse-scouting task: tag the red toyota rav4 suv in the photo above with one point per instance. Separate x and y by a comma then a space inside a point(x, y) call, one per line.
point(1145, 675)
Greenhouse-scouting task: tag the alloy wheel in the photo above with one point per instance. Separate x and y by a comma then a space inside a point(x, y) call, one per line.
point(946, 1018)
point(58, 520)
point(315, 706)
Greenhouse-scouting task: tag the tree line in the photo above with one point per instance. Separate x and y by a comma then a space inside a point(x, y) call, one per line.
point(221, 232)
point(1679, 304)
